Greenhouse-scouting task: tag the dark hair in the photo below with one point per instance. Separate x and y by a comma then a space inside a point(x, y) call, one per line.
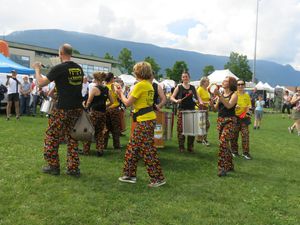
point(241, 80)
point(99, 76)
point(109, 77)
point(232, 83)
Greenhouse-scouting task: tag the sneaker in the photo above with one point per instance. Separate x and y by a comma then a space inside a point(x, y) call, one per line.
point(127, 179)
point(51, 170)
point(157, 184)
point(99, 153)
point(222, 173)
point(290, 129)
point(247, 156)
point(206, 143)
point(7, 118)
point(254, 128)
point(73, 173)
point(235, 154)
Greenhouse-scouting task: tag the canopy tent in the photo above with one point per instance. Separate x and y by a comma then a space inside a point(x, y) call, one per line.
point(7, 65)
point(260, 86)
point(168, 83)
point(128, 80)
point(195, 83)
point(268, 87)
point(218, 76)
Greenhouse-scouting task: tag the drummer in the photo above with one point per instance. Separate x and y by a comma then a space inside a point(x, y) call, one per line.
point(185, 95)
point(226, 122)
point(205, 96)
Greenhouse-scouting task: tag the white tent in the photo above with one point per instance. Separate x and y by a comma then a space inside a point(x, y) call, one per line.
point(219, 75)
point(260, 86)
point(195, 83)
point(268, 87)
point(127, 79)
point(168, 83)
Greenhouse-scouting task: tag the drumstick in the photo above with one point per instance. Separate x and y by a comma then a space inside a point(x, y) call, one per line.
point(188, 95)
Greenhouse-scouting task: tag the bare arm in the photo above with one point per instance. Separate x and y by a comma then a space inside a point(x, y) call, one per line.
point(172, 98)
point(295, 99)
point(162, 97)
point(42, 81)
point(232, 102)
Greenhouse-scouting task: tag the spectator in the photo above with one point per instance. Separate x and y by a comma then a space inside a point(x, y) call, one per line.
point(25, 90)
point(286, 102)
point(259, 104)
point(13, 86)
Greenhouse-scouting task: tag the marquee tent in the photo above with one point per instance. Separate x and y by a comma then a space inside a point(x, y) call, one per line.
point(128, 80)
point(219, 75)
point(7, 65)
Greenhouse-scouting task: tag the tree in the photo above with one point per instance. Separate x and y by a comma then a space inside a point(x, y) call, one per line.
point(126, 61)
point(238, 64)
point(207, 70)
point(109, 57)
point(154, 65)
point(177, 70)
point(75, 51)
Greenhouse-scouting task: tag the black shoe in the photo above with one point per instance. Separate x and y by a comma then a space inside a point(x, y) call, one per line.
point(73, 173)
point(222, 173)
point(51, 170)
point(99, 153)
point(7, 118)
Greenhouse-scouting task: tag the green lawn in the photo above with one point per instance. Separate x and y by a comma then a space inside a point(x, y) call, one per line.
point(265, 190)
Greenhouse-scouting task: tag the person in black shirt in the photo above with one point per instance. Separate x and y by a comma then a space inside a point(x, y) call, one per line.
point(226, 123)
point(185, 95)
point(97, 103)
point(68, 78)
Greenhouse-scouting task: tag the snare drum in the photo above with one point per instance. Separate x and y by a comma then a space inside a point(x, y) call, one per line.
point(194, 122)
point(47, 106)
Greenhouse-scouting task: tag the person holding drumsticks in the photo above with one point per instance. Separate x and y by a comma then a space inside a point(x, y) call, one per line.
point(226, 123)
point(96, 101)
point(205, 96)
point(185, 95)
point(141, 143)
point(243, 121)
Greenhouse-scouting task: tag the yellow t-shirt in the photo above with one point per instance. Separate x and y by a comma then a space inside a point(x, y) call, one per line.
point(143, 92)
point(113, 95)
point(243, 102)
point(204, 95)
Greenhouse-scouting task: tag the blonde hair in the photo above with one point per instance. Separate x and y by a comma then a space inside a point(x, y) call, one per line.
point(143, 70)
point(203, 80)
point(99, 76)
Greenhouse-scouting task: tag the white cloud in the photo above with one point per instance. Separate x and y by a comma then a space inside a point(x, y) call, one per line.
point(222, 25)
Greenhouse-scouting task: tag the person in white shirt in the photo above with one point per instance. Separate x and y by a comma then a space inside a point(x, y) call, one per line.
point(13, 84)
point(85, 88)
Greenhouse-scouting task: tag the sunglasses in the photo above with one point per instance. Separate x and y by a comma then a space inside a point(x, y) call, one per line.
point(240, 84)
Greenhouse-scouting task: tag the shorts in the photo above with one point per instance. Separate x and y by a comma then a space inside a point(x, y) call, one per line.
point(258, 114)
point(14, 97)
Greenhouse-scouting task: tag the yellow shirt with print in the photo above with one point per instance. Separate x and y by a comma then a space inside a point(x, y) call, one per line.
point(204, 95)
point(143, 92)
point(113, 95)
point(243, 102)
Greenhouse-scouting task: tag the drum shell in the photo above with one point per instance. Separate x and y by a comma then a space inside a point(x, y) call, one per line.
point(193, 122)
point(47, 106)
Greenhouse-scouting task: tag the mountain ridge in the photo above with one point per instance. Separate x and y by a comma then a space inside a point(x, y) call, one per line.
point(266, 71)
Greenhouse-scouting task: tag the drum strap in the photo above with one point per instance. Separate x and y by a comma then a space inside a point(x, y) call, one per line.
point(142, 111)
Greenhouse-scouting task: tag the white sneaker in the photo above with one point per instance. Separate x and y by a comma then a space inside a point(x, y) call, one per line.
point(290, 130)
point(206, 143)
point(127, 179)
point(157, 184)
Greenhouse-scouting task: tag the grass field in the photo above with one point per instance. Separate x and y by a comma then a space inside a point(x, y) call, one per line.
point(265, 190)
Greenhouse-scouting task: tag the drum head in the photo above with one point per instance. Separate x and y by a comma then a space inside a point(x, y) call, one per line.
point(212, 88)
